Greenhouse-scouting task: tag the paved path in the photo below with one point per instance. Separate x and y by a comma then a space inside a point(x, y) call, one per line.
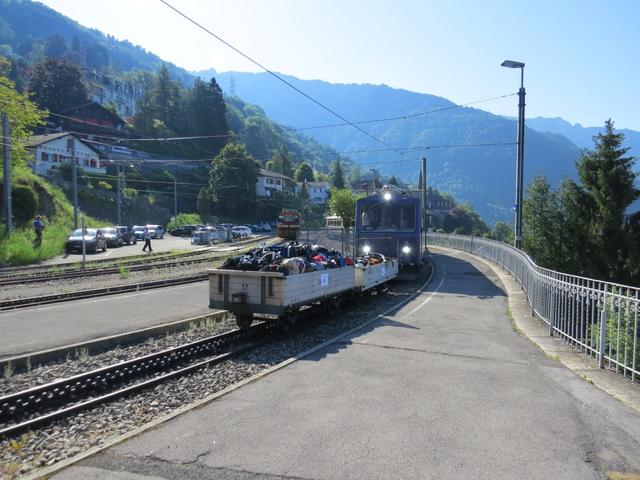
point(39, 328)
point(443, 389)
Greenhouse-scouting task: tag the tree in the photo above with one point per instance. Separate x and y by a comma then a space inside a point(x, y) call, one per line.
point(57, 86)
point(232, 179)
point(337, 175)
point(22, 112)
point(463, 219)
point(280, 162)
point(343, 203)
point(304, 172)
point(608, 180)
point(56, 47)
point(542, 224)
point(393, 181)
point(502, 232)
point(206, 112)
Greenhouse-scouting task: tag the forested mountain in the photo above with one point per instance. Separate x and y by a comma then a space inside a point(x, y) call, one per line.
point(463, 145)
point(32, 31)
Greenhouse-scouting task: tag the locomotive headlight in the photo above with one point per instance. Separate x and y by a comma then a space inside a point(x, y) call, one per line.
point(406, 249)
point(366, 249)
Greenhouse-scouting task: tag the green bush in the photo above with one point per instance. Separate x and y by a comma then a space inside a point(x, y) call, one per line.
point(184, 219)
point(104, 185)
point(27, 199)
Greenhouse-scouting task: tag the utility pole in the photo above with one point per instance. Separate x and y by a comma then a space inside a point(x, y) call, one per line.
point(119, 184)
point(424, 200)
point(175, 198)
point(7, 172)
point(75, 184)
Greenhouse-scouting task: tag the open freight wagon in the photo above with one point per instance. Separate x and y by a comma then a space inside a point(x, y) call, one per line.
point(245, 293)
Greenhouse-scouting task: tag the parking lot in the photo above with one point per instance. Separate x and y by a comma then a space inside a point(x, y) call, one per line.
point(167, 243)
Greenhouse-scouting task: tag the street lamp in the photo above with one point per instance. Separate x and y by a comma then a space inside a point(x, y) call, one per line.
point(520, 151)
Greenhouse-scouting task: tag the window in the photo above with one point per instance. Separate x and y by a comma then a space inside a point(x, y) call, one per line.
point(69, 143)
point(269, 181)
point(44, 157)
point(55, 158)
point(93, 163)
point(278, 182)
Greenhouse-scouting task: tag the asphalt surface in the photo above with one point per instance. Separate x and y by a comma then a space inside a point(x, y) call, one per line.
point(169, 242)
point(443, 389)
point(38, 328)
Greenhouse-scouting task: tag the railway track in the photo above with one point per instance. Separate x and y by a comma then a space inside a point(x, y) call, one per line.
point(24, 410)
point(25, 302)
point(140, 263)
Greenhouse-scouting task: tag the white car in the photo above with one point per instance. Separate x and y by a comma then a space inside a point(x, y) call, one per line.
point(241, 231)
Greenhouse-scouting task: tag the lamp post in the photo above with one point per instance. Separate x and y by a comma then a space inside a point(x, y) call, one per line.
point(520, 151)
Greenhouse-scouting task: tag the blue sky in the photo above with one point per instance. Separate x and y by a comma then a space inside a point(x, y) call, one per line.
point(582, 60)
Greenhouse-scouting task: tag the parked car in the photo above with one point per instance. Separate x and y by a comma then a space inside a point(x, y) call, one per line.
point(128, 236)
point(93, 238)
point(112, 236)
point(241, 231)
point(157, 231)
point(138, 231)
point(185, 230)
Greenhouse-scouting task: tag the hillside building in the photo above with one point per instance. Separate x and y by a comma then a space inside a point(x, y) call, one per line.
point(52, 150)
point(269, 182)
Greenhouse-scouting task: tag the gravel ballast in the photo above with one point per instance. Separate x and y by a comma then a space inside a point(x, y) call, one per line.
point(95, 427)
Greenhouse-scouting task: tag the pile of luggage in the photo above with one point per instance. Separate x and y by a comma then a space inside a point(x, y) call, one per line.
point(290, 259)
point(370, 259)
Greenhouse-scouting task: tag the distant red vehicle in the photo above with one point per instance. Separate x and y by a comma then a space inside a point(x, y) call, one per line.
point(289, 224)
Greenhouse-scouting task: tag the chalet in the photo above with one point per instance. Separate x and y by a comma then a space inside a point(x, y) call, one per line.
point(93, 119)
point(52, 150)
point(269, 182)
point(318, 191)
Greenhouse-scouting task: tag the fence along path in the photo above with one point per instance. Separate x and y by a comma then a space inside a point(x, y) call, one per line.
point(598, 318)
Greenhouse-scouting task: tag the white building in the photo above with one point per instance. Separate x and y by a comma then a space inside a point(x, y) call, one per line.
point(269, 181)
point(52, 150)
point(318, 191)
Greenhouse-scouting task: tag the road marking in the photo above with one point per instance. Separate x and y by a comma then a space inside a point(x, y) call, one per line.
point(424, 302)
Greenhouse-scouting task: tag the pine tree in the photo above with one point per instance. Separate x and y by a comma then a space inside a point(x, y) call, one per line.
point(608, 179)
point(337, 175)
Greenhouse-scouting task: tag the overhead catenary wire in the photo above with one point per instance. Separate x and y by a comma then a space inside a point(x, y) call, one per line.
point(278, 77)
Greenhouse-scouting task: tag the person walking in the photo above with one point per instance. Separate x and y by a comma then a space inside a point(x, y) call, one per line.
point(38, 226)
point(147, 240)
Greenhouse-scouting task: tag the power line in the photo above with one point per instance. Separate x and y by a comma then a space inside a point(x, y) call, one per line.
point(404, 117)
point(309, 97)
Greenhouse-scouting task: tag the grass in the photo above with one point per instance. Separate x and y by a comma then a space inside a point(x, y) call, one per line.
point(123, 271)
point(82, 354)
point(20, 249)
point(9, 368)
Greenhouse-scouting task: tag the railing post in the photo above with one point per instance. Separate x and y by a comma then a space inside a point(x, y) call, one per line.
point(552, 312)
point(603, 332)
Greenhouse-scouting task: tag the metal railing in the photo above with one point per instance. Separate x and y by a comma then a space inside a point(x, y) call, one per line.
point(597, 318)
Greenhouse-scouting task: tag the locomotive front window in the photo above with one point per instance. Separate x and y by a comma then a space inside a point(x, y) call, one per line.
point(390, 218)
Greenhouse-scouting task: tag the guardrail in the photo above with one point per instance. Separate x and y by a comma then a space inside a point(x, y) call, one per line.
point(598, 318)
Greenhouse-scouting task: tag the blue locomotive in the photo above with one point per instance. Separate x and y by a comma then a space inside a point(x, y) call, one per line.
point(389, 223)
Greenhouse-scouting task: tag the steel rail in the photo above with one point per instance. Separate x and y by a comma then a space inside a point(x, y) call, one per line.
point(138, 267)
point(74, 393)
point(44, 273)
point(26, 302)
